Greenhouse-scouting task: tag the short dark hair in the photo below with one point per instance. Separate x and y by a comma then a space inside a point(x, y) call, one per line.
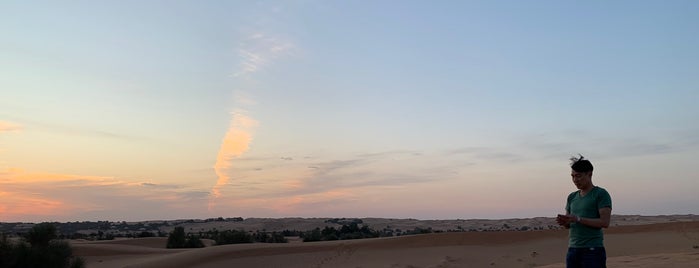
point(580, 164)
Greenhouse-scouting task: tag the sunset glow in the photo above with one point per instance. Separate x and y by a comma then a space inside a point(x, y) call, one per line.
point(456, 109)
point(235, 143)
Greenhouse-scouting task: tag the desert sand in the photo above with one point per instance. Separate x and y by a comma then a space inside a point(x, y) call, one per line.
point(671, 244)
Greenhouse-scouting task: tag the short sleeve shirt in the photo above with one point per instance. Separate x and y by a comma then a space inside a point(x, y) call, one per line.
point(582, 236)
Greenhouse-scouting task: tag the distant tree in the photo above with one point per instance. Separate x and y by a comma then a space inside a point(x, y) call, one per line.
point(177, 238)
point(277, 238)
point(193, 242)
point(145, 234)
point(265, 237)
point(109, 236)
point(234, 237)
point(41, 234)
point(39, 249)
point(313, 235)
point(351, 231)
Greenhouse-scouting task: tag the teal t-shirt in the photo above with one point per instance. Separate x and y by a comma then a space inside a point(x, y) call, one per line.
point(583, 236)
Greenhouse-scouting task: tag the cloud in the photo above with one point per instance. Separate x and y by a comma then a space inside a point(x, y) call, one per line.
point(33, 196)
point(235, 142)
point(487, 154)
point(160, 186)
point(9, 126)
point(560, 145)
point(69, 130)
point(259, 50)
point(390, 153)
point(306, 184)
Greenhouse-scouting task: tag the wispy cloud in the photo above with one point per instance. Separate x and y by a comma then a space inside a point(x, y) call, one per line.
point(68, 130)
point(487, 154)
point(256, 51)
point(309, 184)
point(235, 143)
point(6, 126)
point(560, 145)
point(259, 50)
point(35, 196)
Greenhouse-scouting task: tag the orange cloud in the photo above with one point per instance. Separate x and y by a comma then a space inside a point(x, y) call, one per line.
point(9, 126)
point(17, 175)
point(28, 196)
point(235, 143)
point(298, 203)
point(17, 205)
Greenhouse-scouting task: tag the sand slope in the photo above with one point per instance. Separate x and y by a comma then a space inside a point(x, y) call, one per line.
point(653, 245)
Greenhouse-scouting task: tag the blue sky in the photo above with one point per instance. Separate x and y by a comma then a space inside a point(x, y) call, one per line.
point(175, 109)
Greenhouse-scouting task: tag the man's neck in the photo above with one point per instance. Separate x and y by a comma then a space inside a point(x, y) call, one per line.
point(587, 189)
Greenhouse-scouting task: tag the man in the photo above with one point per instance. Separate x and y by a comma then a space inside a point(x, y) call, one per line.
point(588, 210)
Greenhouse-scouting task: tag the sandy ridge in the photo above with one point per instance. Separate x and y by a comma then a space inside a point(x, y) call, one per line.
point(658, 244)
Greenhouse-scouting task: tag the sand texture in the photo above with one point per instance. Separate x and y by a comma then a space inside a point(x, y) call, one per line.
point(672, 244)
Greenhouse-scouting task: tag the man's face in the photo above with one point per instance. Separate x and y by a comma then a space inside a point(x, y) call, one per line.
point(581, 179)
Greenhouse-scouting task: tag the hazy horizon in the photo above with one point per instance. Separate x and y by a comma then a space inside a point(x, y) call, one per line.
point(135, 111)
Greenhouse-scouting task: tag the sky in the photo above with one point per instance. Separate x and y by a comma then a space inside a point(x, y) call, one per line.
point(141, 110)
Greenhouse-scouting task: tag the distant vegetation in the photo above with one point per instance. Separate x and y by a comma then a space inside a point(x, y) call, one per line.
point(108, 230)
point(241, 237)
point(39, 247)
point(351, 231)
point(335, 229)
point(178, 239)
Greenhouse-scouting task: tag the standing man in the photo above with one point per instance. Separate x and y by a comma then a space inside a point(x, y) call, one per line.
point(588, 210)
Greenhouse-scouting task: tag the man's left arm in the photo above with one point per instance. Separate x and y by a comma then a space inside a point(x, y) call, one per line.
point(605, 216)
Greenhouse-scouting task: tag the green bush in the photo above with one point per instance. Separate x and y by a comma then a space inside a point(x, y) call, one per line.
point(41, 234)
point(233, 237)
point(351, 231)
point(39, 248)
point(178, 239)
point(193, 242)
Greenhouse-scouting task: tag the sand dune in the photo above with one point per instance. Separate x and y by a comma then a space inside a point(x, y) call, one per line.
point(650, 245)
point(304, 224)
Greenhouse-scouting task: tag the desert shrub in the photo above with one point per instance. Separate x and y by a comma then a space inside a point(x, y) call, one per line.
point(193, 242)
point(39, 248)
point(312, 236)
point(240, 237)
point(15, 254)
point(41, 234)
point(77, 263)
point(277, 238)
point(178, 239)
point(419, 230)
point(233, 237)
point(145, 234)
point(351, 231)
point(265, 237)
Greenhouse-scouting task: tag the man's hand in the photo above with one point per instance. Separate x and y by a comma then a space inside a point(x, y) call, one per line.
point(566, 220)
point(601, 222)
